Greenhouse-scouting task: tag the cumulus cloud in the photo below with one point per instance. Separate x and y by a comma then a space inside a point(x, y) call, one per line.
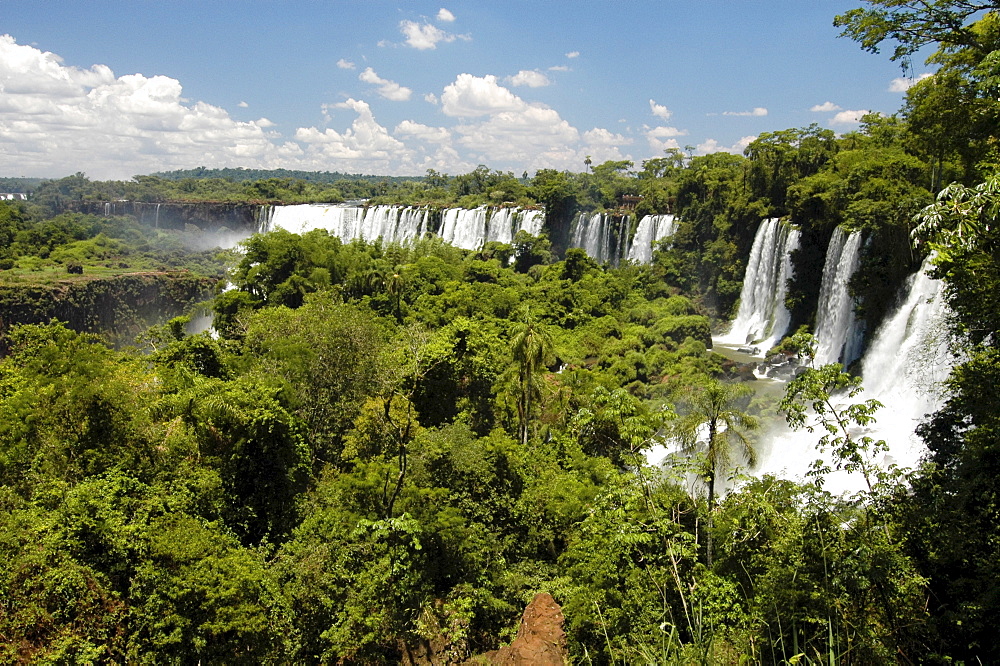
point(602, 137)
point(573, 54)
point(502, 129)
point(848, 117)
point(424, 36)
point(388, 89)
point(345, 64)
point(713, 146)
point(661, 138)
point(243, 105)
point(659, 110)
point(57, 119)
point(757, 111)
point(531, 78)
point(904, 83)
point(366, 144)
point(470, 96)
point(521, 136)
point(416, 130)
point(445, 16)
point(825, 107)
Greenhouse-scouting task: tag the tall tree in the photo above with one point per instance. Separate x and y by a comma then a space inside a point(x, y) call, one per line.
point(531, 351)
point(712, 420)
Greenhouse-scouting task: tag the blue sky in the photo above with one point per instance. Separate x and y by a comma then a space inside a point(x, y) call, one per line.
point(115, 89)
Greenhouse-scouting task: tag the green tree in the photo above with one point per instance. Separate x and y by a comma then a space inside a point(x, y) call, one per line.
point(532, 350)
point(913, 25)
point(710, 422)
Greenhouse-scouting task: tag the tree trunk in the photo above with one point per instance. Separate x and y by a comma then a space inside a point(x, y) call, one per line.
point(712, 430)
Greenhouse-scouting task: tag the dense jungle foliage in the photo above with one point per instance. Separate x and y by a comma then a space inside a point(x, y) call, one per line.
point(390, 448)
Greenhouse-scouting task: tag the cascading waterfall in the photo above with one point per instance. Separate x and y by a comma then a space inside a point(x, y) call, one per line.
point(838, 337)
point(903, 368)
point(596, 234)
point(906, 364)
point(651, 230)
point(531, 221)
point(264, 215)
point(763, 318)
point(462, 227)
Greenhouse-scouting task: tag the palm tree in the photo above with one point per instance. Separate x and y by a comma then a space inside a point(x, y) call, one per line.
point(531, 350)
point(714, 407)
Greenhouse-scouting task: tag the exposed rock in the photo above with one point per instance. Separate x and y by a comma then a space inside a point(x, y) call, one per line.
point(540, 640)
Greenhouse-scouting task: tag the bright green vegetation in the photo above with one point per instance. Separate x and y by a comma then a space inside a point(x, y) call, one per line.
point(392, 447)
point(389, 446)
point(36, 248)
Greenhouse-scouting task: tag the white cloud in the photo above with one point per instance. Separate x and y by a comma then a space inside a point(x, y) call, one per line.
point(424, 36)
point(243, 105)
point(524, 136)
point(757, 111)
point(422, 132)
point(602, 137)
point(904, 83)
point(573, 54)
point(57, 119)
point(659, 110)
point(825, 107)
point(848, 117)
point(345, 64)
point(529, 78)
point(445, 16)
point(388, 89)
point(366, 145)
point(559, 68)
point(712, 146)
point(431, 98)
point(471, 96)
point(512, 132)
point(661, 138)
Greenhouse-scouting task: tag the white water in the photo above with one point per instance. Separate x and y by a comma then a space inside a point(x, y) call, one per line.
point(903, 368)
point(601, 235)
point(763, 318)
point(465, 228)
point(837, 333)
point(651, 230)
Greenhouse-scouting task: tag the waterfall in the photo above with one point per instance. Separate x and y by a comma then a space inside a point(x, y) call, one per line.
point(903, 368)
point(156, 219)
point(532, 221)
point(837, 332)
point(651, 230)
point(907, 361)
point(465, 228)
point(264, 214)
point(596, 234)
point(763, 318)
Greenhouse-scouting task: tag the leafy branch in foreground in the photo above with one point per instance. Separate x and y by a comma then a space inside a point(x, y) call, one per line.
point(820, 389)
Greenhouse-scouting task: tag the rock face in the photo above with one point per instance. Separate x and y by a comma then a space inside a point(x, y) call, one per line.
point(540, 639)
point(204, 215)
point(118, 307)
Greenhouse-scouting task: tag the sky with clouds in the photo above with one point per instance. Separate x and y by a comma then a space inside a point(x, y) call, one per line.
point(118, 89)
